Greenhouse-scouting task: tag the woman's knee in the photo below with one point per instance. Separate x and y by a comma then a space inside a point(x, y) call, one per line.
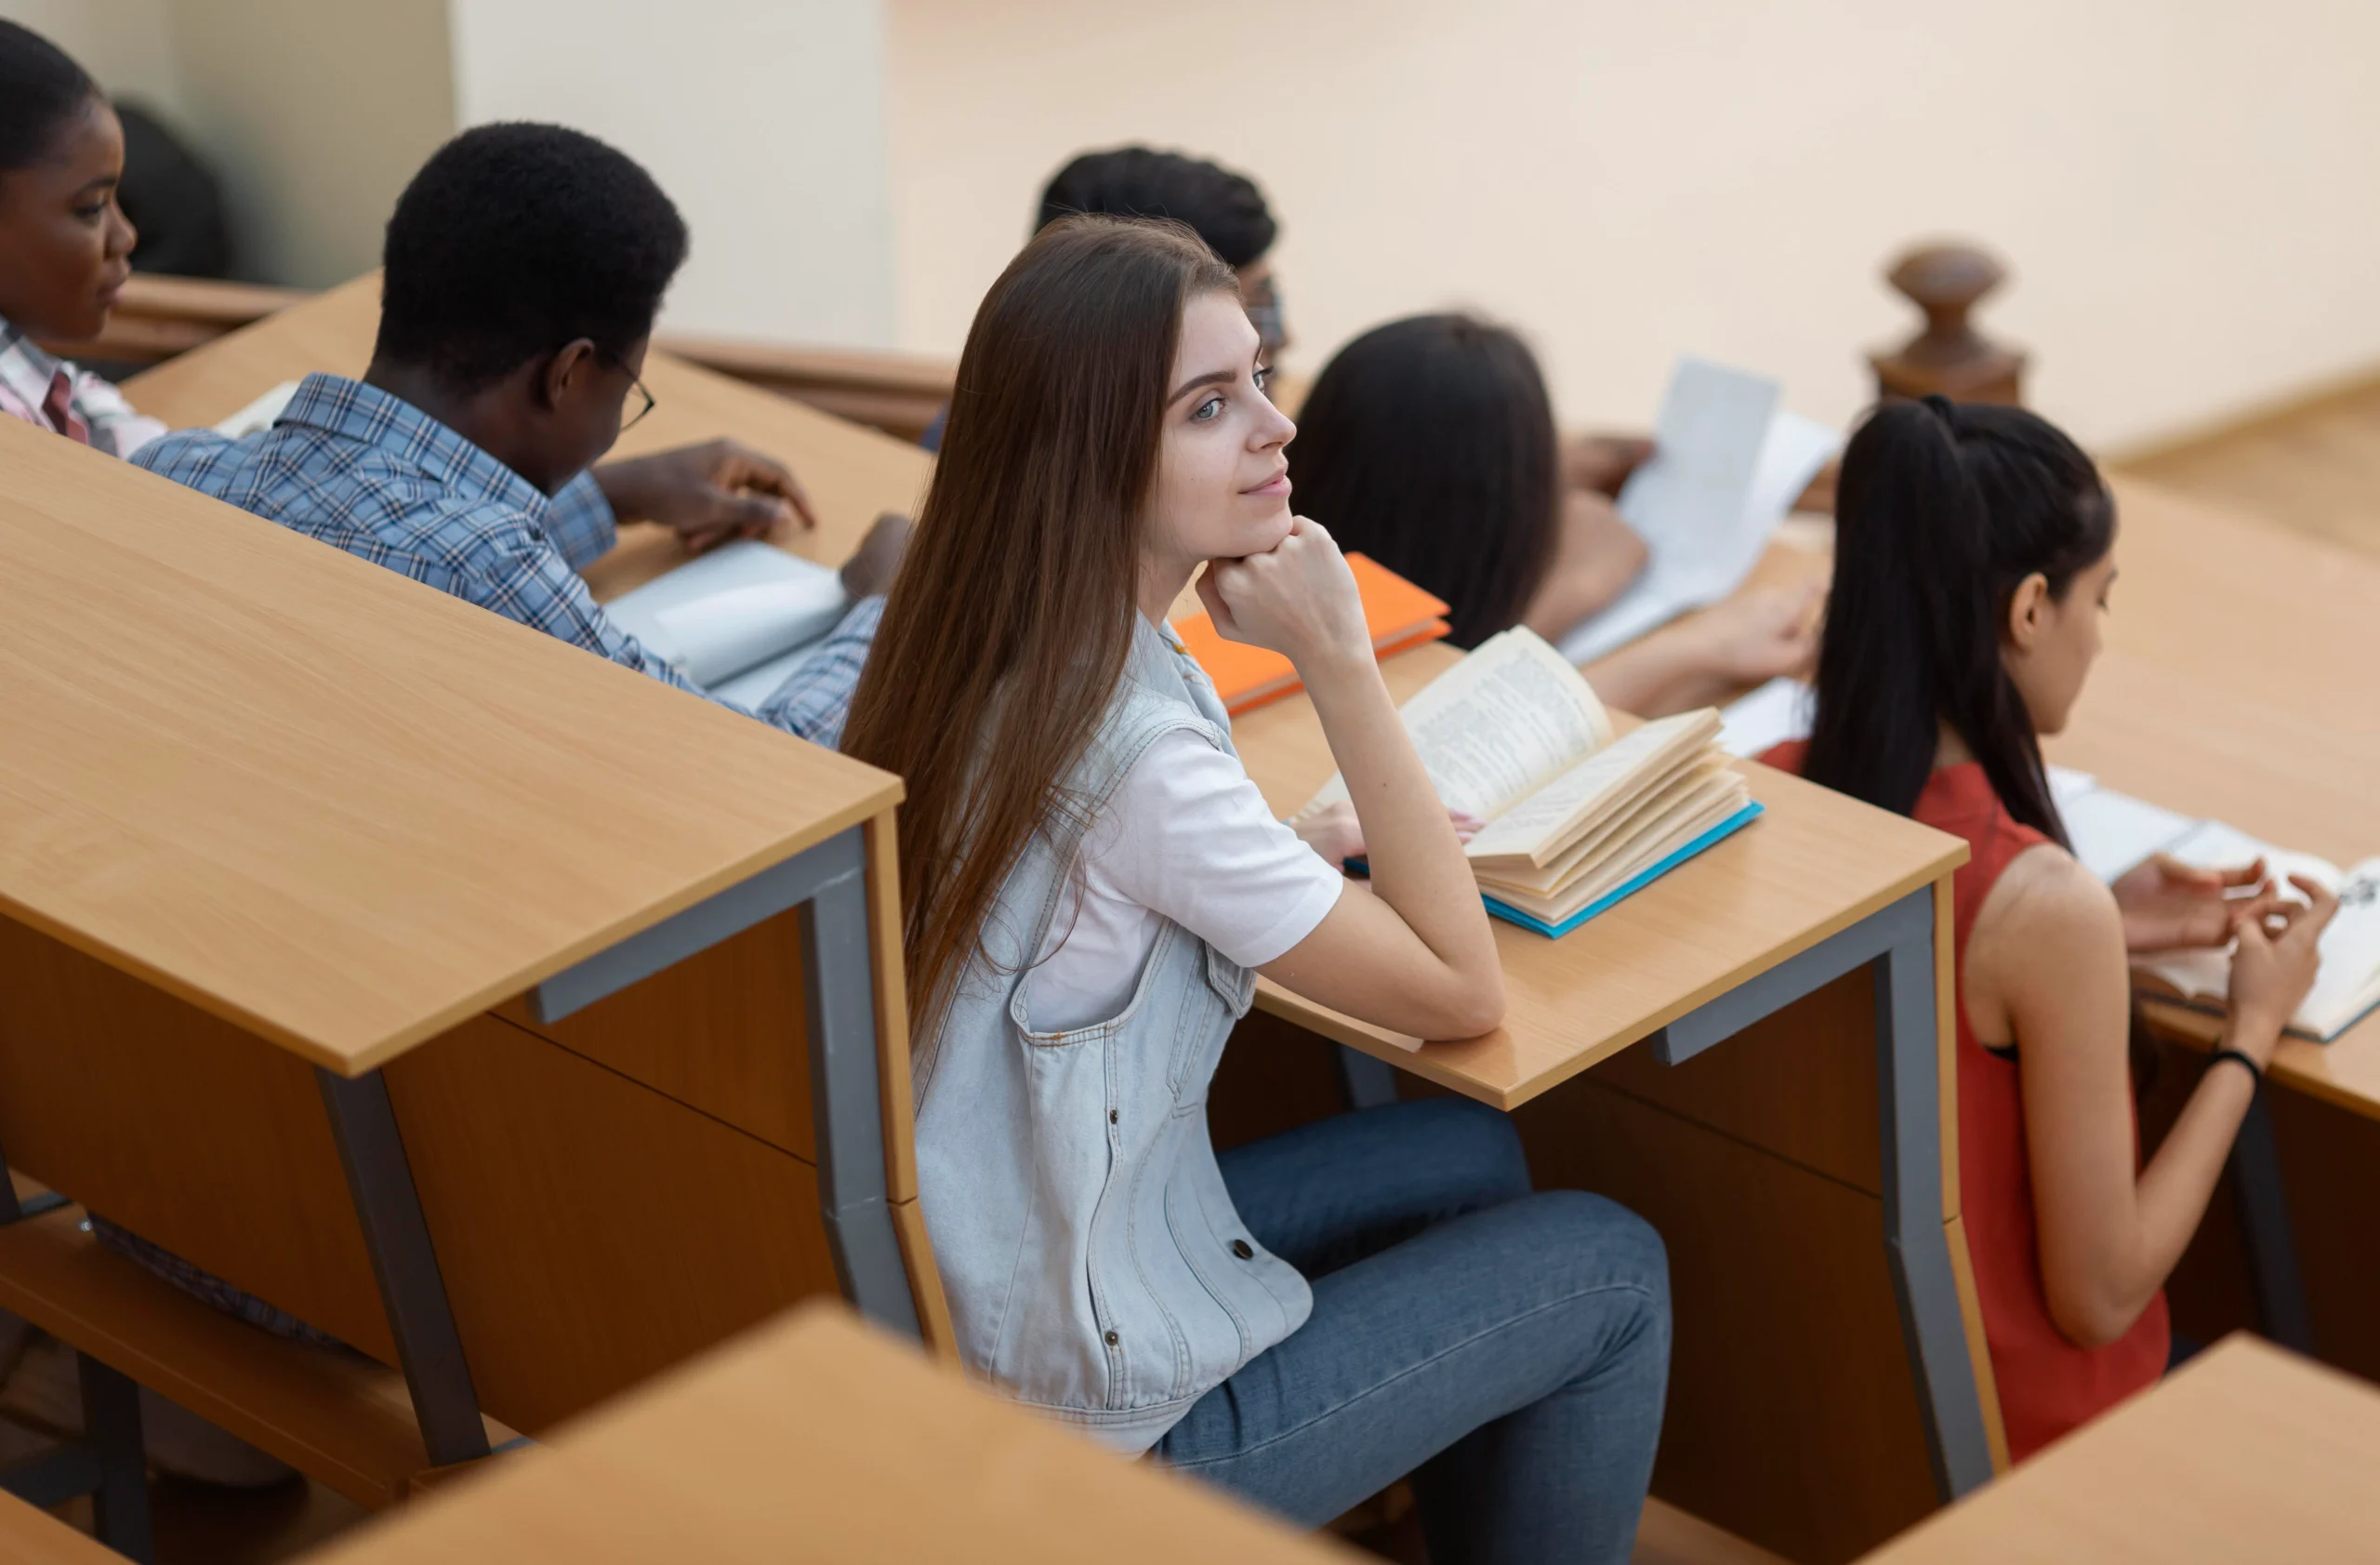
point(1610, 1245)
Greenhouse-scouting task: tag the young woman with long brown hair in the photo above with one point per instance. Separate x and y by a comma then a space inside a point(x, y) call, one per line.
point(1974, 548)
point(1090, 878)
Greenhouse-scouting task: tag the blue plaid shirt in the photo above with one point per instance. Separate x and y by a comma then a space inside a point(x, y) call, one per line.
point(371, 473)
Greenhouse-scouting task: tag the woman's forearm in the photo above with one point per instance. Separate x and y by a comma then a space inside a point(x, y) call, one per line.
point(1418, 866)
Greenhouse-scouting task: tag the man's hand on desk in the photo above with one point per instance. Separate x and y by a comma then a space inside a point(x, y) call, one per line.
point(710, 493)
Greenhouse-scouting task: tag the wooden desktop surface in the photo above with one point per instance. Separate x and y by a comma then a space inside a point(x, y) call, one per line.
point(2246, 1453)
point(1814, 864)
point(852, 474)
point(336, 808)
point(815, 1438)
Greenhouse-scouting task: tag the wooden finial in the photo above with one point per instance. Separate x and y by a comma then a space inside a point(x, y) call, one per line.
point(1949, 357)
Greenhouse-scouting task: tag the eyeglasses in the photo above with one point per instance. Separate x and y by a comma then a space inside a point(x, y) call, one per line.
point(636, 384)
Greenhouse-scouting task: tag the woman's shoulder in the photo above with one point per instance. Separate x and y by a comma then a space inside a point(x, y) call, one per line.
point(2044, 914)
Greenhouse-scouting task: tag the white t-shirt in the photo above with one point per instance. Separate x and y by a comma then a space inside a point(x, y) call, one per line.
point(1185, 836)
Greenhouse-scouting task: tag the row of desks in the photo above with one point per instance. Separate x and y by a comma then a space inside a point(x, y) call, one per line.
point(1831, 1384)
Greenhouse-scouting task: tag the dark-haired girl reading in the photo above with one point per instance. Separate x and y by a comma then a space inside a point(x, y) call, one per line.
point(1974, 552)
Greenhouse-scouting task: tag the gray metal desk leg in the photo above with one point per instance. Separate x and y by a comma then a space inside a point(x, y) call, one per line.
point(2264, 1227)
point(1369, 1080)
point(847, 1102)
point(397, 1235)
point(1916, 1243)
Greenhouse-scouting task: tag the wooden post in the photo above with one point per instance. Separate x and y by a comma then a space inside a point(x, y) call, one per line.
point(1949, 357)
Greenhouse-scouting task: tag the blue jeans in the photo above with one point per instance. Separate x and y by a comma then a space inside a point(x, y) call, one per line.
point(1508, 1349)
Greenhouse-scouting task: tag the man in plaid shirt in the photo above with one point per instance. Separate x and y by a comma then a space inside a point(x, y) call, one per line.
point(523, 268)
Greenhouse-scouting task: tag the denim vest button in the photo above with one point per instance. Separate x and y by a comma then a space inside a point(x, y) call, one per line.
point(1242, 1249)
point(1111, 1339)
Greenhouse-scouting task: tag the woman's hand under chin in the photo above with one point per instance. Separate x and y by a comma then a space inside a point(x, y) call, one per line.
point(1297, 598)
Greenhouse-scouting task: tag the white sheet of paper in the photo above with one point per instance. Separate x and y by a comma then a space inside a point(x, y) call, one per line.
point(259, 414)
point(749, 690)
point(1779, 710)
point(2113, 831)
point(1727, 464)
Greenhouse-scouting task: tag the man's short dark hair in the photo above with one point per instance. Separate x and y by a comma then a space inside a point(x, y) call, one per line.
point(517, 239)
point(1226, 208)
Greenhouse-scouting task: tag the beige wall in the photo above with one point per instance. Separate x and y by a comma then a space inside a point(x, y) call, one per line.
point(2185, 187)
point(316, 113)
point(764, 119)
point(126, 44)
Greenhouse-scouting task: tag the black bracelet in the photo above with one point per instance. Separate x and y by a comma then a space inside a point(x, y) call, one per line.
point(2255, 1069)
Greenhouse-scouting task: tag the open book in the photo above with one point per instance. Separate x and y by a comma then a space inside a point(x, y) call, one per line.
point(259, 414)
point(1727, 464)
point(2113, 831)
point(1398, 614)
point(737, 620)
point(1577, 819)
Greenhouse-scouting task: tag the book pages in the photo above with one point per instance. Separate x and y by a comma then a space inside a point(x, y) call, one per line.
point(1497, 725)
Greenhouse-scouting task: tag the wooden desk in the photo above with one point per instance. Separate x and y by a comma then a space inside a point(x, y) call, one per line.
point(2246, 1453)
point(1856, 1156)
point(815, 1440)
point(353, 934)
point(1804, 1176)
point(852, 474)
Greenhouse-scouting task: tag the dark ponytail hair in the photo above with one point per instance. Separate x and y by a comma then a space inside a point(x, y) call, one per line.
point(1428, 444)
point(41, 89)
point(1941, 511)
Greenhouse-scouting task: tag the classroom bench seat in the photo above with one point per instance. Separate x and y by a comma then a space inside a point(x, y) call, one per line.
point(341, 1419)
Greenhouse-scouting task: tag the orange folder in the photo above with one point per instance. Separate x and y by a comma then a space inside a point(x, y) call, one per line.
point(1399, 614)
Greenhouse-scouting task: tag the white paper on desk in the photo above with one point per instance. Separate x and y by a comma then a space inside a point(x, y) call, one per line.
point(1726, 466)
point(259, 414)
point(732, 610)
point(1779, 710)
point(2113, 831)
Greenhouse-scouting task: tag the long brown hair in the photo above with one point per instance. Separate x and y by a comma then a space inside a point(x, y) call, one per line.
point(1010, 621)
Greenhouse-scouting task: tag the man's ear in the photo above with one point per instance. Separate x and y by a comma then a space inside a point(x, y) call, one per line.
point(2026, 604)
point(567, 370)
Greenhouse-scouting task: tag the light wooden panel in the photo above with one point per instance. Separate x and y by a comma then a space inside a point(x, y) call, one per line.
point(721, 1032)
point(184, 1130)
point(2246, 1453)
point(1814, 865)
point(1800, 1083)
point(592, 1231)
point(341, 1418)
point(850, 474)
point(338, 808)
point(1793, 1419)
point(816, 1440)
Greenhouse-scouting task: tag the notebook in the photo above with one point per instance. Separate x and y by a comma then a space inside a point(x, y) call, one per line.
point(1577, 818)
point(1399, 614)
point(1727, 464)
point(2112, 833)
point(737, 620)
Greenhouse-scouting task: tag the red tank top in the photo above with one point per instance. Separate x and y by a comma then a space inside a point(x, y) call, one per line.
point(2047, 1385)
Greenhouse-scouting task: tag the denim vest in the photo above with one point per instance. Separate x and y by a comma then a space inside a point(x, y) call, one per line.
point(1094, 1262)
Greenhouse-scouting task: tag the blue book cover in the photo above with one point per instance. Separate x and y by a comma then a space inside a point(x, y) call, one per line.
point(1635, 883)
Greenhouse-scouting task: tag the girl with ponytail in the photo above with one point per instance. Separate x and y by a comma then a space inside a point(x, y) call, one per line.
point(1974, 552)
